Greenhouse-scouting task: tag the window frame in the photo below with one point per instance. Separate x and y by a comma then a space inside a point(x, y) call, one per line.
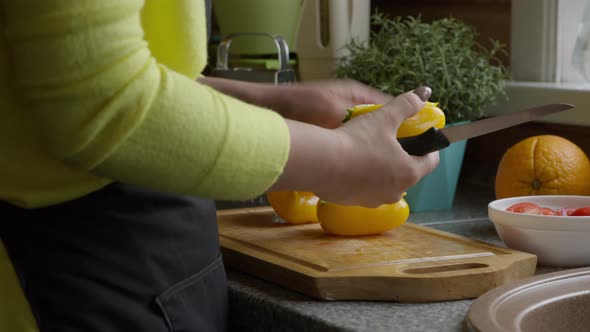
point(543, 34)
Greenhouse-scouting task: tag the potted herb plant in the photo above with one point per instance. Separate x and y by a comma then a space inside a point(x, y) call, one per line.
point(465, 77)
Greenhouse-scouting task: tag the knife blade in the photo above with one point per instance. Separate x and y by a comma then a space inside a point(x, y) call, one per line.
point(437, 139)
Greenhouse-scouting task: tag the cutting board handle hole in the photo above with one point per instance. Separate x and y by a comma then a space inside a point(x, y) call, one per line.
point(445, 268)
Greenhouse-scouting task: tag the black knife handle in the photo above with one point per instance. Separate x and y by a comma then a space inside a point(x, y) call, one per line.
point(429, 141)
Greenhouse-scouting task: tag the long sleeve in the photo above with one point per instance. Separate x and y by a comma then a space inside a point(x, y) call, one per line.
point(102, 101)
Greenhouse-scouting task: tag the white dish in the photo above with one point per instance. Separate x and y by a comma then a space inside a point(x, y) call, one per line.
point(560, 241)
point(550, 302)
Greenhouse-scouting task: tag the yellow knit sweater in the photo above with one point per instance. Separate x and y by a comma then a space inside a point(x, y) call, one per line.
point(99, 91)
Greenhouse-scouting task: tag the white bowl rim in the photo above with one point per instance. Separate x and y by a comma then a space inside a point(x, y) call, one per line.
point(498, 214)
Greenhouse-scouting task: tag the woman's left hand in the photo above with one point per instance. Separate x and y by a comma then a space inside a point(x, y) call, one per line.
point(322, 103)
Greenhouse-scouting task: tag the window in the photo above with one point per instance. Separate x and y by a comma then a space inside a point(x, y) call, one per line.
point(543, 35)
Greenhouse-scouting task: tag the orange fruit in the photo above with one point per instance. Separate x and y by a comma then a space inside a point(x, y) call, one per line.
point(543, 165)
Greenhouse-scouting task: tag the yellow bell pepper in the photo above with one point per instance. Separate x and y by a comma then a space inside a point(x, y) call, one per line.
point(357, 220)
point(429, 116)
point(295, 207)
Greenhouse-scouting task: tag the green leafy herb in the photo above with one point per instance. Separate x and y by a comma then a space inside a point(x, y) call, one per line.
point(403, 54)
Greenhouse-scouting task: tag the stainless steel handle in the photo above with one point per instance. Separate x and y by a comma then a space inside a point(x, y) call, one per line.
point(280, 43)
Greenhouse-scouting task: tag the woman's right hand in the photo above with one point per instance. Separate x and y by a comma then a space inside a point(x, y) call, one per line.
point(360, 162)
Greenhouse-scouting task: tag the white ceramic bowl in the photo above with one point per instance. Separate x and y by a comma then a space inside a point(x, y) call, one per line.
point(560, 241)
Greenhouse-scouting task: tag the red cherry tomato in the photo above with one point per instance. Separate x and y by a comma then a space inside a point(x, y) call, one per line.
point(546, 211)
point(525, 207)
point(583, 211)
point(532, 208)
point(565, 211)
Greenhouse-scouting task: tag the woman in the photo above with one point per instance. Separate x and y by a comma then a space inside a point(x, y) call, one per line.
point(113, 154)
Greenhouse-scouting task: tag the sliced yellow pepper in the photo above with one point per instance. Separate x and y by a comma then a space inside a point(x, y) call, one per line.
point(359, 110)
point(429, 116)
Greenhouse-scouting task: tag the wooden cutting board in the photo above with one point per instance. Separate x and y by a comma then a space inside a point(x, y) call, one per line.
point(410, 263)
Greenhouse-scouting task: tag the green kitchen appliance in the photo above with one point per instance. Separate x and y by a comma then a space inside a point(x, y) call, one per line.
point(250, 69)
point(315, 31)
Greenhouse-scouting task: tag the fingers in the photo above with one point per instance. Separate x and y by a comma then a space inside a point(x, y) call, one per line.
point(353, 93)
point(408, 104)
point(426, 164)
point(420, 167)
point(370, 95)
point(423, 92)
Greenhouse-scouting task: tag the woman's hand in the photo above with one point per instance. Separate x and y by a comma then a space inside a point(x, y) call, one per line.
point(361, 162)
point(322, 103)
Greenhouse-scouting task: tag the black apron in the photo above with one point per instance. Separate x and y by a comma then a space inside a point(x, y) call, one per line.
point(120, 259)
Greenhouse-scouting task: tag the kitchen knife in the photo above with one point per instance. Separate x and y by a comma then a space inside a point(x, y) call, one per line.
point(437, 139)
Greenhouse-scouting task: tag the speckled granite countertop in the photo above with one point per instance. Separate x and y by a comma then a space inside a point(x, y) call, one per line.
point(257, 305)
